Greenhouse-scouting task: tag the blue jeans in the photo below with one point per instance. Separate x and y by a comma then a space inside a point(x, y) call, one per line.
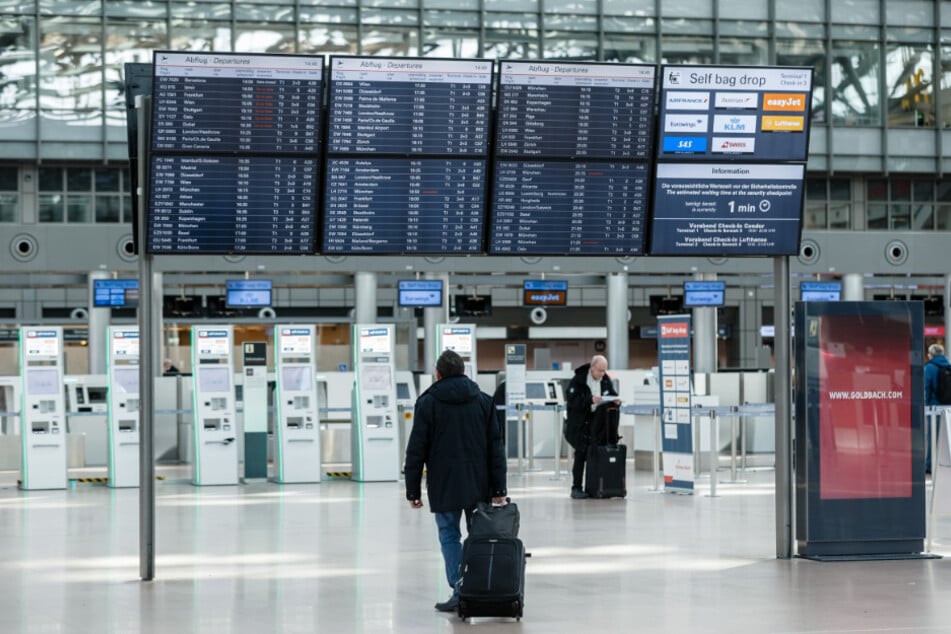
point(450, 541)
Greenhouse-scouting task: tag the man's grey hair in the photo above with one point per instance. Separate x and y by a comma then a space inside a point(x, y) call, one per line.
point(935, 349)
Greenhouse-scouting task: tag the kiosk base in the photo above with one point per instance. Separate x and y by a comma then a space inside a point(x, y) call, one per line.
point(880, 557)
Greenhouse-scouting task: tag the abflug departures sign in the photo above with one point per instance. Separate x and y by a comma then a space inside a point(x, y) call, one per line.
point(573, 145)
point(731, 161)
point(407, 154)
point(234, 153)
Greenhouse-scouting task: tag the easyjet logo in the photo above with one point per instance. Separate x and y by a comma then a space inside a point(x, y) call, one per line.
point(676, 330)
point(790, 102)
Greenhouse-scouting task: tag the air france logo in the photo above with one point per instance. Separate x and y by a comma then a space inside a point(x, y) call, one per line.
point(733, 124)
point(686, 123)
point(688, 100)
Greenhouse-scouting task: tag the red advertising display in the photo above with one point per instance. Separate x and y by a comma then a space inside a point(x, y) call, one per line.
point(865, 399)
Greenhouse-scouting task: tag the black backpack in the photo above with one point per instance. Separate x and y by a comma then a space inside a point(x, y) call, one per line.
point(943, 384)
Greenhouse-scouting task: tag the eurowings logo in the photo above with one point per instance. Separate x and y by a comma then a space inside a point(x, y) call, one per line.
point(677, 330)
point(685, 123)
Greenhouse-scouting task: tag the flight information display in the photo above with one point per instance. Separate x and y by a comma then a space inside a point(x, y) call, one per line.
point(572, 158)
point(406, 155)
point(226, 204)
point(234, 153)
point(575, 110)
point(734, 113)
point(556, 207)
point(726, 210)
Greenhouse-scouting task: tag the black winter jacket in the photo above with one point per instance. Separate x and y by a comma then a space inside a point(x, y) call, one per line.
point(578, 404)
point(456, 436)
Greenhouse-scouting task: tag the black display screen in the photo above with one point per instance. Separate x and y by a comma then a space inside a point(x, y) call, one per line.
point(406, 155)
point(573, 148)
point(235, 143)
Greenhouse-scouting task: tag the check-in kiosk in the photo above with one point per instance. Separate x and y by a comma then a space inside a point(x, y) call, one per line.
point(215, 423)
point(405, 407)
point(43, 411)
point(375, 451)
point(123, 410)
point(87, 402)
point(297, 431)
point(461, 339)
point(544, 393)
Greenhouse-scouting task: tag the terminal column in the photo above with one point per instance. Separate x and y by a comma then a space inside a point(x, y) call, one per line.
point(365, 309)
point(947, 311)
point(853, 287)
point(98, 324)
point(432, 317)
point(617, 321)
point(705, 332)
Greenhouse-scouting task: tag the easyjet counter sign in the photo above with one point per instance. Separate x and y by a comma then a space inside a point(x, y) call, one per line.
point(674, 331)
point(785, 102)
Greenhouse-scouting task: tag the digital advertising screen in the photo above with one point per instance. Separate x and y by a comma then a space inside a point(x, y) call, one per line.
point(572, 158)
point(247, 293)
point(545, 292)
point(820, 291)
point(375, 340)
point(407, 155)
point(704, 293)
point(125, 343)
point(115, 293)
point(420, 293)
point(724, 113)
point(727, 210)
point(41, 343)
point(459, 339)
point(295, 342)
point(234, 153)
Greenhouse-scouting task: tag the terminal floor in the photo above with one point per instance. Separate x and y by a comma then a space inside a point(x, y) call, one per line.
point(343, 557)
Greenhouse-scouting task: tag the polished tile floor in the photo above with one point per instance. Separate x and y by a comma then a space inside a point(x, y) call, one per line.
point(344, 557)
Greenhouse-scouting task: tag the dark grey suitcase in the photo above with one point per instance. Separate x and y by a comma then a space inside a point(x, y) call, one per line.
point(605, 474)
point(493, 577)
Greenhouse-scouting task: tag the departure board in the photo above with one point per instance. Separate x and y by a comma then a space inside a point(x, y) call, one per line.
point(407, 155)
point(573, 145)
point(575, 110)
point(234, 153)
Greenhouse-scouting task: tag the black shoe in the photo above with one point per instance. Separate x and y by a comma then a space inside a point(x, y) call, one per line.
point(448, 606)
point(578, 494)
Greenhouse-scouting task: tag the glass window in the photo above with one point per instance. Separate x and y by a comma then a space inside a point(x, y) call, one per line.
point(18, 79)
point(922, 217)
point(693, 8)
point(923, 190)
point(815, 215)
point(8, 178)
point(570, 46)
point(840, 189)
point(686, 50)
point(900, 189)
point(840, 215)
point(263, 13)
point(451, 5)
point(328, 39)
point(107, 180)
point(8, 207)
point(855, 11)
point(390, 17)
point(943, 219)
point(451, 44)
point(521, 44)
point(458, 19)
point(910, 12)
point(909, 77)
point(79, 208)
point(945, 79)
point(744, 9)
point(627, 25)
point(200, 35)
point(628, 48)
point(807, 53)
point(743, 51)
point(877, 217)
point(79, 179)
point(802, 10)
point(108, 209)
point(201, 10)
point(570, 23)
point(570, 6)
point(135, 8)
point(854, 82)
point(629, 7)
point(51, 207)
point(901, 217)
point(876, 189)
point(51, 179)
point(394, 42)
point(264, 38)
point(70, 64)
point(129, 41)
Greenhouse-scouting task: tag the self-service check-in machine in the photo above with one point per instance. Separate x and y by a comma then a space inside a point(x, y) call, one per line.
point(461, 339)
point(43, 411)
point(375, 451)
point(87, 402)
point(215, 423)
point(405, 407)
point(123, 410)
point(297, 430)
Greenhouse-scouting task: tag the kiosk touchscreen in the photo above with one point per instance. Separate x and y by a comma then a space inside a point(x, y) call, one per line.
point(461, 339)
point(375, 447)
point(297, 433)
point(214, 429)
point(43, 420)
point(123, 410)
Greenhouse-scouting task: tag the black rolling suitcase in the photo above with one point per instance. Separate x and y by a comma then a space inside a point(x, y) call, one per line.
point(606, 471)
point(493, 577)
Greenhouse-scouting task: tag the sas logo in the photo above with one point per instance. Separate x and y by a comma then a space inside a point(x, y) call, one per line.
point(688, 100)
point(724, 123)
point(686, 123)
point(733, 145)
point(739, 100)
point(685, 144)
point(677, 330)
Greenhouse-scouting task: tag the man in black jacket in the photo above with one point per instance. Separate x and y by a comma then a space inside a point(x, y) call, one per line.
point(457, 438)
point(587, 389)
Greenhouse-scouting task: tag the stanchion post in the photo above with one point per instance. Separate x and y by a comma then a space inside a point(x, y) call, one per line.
point(557, 443)
point(521, 439)
point(655, 413)
point(530, 444)
point(714, 454)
